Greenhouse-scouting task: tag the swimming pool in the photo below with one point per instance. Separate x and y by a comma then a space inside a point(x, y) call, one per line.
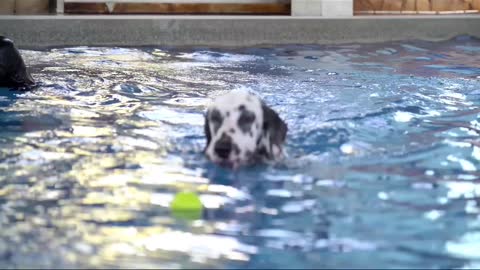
point(383, 166)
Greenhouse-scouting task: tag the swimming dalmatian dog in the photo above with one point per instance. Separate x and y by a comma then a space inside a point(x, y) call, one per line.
point(242, 130)
point(13, 72)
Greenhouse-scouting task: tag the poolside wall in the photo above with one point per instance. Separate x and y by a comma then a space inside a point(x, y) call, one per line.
point(219, 31)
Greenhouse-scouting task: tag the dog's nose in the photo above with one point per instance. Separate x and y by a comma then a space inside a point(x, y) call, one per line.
point(223, 147)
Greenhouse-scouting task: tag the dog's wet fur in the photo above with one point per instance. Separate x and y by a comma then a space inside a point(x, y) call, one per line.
point(242, 130)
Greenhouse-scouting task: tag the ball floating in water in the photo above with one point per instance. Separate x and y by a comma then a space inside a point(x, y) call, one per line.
point(186, 205)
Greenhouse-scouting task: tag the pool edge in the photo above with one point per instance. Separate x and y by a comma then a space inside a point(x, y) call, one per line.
point(229, 31)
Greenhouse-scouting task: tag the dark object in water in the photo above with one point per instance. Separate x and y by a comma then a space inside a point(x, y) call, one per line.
point(13, 72)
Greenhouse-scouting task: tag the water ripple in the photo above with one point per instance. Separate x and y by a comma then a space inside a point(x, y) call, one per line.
point(382, 167)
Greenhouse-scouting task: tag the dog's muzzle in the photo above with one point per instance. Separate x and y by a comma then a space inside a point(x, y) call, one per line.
point(223, 147)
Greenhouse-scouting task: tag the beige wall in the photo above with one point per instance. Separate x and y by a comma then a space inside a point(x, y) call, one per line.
point(7, 6)
point(24, 6)
point(416, 5)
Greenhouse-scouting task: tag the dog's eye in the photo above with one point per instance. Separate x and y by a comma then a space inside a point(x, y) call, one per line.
point(216, 117)
point(246, 118)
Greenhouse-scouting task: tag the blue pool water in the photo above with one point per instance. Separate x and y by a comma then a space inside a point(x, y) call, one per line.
point(383, 165)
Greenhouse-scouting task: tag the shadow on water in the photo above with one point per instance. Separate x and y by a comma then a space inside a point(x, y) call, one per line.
point(16, 121)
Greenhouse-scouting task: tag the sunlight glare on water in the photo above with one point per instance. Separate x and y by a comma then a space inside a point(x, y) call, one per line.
point(382, 169)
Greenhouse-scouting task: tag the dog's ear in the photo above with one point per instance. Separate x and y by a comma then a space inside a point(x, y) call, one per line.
point(206, 129)
point(273, 127)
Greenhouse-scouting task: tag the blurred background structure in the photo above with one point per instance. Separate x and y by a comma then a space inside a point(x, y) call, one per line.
point(242, 7)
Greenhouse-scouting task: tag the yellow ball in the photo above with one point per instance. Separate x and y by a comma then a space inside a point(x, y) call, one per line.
point(186, 205)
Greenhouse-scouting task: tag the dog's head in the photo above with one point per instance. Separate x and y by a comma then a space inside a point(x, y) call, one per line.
point(13, 72)
point(241, 129)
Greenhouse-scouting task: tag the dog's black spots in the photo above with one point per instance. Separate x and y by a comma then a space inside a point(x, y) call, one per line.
point(225, 137)
point(235, 132)
point(262, 151)
point(236, 149)
point(216, 119)
point(215, 115)
point(259, 140)
point(246, 120)
point(265, 126)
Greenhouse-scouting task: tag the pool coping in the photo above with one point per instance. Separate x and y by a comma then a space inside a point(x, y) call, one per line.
point(229, 31)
